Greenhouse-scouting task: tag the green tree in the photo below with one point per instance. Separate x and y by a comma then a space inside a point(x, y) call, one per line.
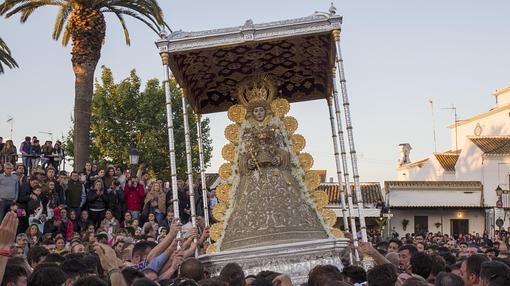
point(6, 57)
point(83, 22)
point(123, 115)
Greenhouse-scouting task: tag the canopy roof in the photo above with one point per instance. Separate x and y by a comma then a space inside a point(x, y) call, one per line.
point(299, 54)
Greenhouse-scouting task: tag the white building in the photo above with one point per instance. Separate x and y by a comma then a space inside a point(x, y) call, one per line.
point(455, 191)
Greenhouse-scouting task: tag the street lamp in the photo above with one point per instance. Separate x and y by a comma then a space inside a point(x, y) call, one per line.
point(133, 159)
point(499, 191)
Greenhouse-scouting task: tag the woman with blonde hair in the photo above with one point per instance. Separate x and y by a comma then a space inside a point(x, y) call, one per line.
point(155, 202)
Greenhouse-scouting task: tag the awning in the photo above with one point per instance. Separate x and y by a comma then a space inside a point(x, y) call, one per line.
point(425, 194)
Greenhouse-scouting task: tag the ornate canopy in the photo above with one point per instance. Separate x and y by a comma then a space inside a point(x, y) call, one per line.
point(299, 54)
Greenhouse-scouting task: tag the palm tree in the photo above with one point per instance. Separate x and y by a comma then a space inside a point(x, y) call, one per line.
point(83, 22)
point(5, 57)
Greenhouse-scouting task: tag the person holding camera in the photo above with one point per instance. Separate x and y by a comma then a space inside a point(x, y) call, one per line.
point(116, 199)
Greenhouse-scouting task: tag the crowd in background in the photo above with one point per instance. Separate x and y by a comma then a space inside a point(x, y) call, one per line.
point(97, 226)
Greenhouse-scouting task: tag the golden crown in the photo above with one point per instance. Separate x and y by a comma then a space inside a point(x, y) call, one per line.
point(256, 88)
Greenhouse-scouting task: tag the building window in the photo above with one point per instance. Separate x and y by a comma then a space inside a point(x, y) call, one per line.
point(421, 224)
point(459, 226)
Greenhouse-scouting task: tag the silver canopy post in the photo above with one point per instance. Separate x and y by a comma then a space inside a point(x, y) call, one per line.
point(171, 141)
point(338, 168)
point(337, 162)
point(350, 136)
point(345, 167)
point(189, 164)
point(198, 118)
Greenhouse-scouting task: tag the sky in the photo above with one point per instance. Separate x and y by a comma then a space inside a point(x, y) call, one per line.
point(397, 55)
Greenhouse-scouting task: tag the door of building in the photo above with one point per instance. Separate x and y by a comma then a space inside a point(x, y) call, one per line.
point(421, 224)
point(459, 226)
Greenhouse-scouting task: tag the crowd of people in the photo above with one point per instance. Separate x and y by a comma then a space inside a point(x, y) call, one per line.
point(108, 226)
point(32, 153)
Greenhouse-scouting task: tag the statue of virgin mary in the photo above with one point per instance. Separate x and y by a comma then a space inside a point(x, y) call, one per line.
point(269, 203)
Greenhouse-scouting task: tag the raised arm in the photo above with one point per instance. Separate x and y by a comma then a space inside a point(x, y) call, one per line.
point(110, 263)
point(367, 249)
point(166, 241)
point(7, 235)
point(172, 266)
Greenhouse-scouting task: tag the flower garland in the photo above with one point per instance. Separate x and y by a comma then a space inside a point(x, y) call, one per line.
point(233, 181)
point(296, 171)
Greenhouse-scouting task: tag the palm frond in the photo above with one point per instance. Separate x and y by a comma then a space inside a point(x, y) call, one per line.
point(66, 37)
point(5, 57)
point(119, 13)
point(61, 19)
point(131, 14)
point(27, 8)
point(147, 9)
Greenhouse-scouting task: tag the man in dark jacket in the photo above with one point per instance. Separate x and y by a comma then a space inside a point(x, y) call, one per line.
point(25, 194)
point(75, 193)
point(116, 200)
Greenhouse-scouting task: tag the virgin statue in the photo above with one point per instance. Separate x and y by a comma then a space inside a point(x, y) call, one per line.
point(269, 203)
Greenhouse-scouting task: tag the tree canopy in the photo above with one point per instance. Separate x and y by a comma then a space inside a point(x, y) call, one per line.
point(123, 116)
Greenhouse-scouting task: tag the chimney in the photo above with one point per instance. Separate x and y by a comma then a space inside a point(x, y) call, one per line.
point(331, 179)
point(404, 150)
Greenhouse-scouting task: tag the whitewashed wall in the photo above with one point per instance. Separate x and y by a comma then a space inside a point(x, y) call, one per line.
point(476, 219)
point(494, 124)
point(431, 170)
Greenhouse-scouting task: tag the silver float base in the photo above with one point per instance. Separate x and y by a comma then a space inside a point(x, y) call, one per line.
point(294, 259)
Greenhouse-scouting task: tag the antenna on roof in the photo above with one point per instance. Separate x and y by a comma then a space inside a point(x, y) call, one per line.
point(433, 124)
point(455, 121)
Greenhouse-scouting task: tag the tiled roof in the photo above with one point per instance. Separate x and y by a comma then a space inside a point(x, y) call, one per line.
point(432, 185)
point(371, 192)
point(415, 164)
point(448, 159)
point(493, 145)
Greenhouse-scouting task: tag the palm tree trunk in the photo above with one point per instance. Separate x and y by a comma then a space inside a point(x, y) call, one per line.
point(87, 27)
point(84, 88)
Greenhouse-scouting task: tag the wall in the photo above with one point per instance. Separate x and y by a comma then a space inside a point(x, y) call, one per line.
point(476, 219)
point(494, 124)
point(491, 171)
point(431, 170)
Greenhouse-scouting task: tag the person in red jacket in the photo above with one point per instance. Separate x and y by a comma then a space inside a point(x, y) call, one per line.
point(134, 194)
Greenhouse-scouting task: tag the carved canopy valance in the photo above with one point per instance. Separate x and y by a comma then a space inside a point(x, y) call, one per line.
point(299, 54)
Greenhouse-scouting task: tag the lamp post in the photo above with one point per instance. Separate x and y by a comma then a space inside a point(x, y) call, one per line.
point(499, 204)
point(133, 159)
